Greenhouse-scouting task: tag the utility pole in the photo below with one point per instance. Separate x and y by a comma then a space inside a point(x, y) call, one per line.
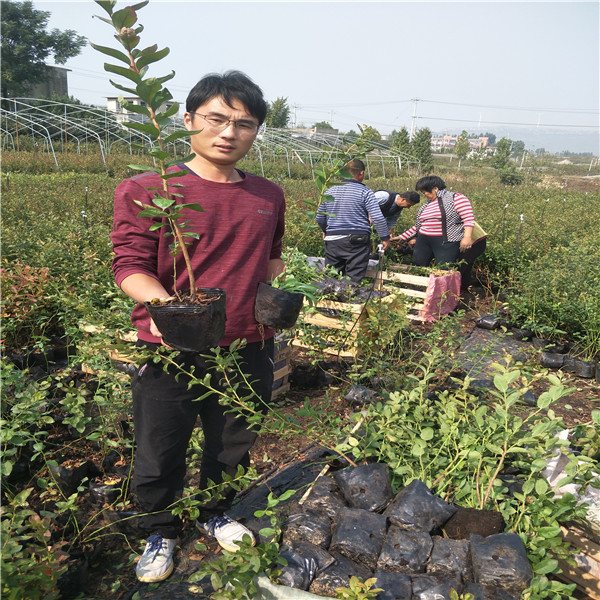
point(331, 118)
point(414, 117)
point(294, 117)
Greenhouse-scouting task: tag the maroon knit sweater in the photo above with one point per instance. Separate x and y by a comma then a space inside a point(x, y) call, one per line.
point(240, 231)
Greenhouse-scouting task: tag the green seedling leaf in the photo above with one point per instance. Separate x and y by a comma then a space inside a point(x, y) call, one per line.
point(548, 565)
point(162, 202)
point(107, 5)
point(144, 168)
point(143, 128)
point(150, 58)
point(104, 19)
point(130, 91)
point(125, 17)
point(178, 135)
point(124, 72)
point(169, 112)
point(160, 98)
point(501, 382)
point(185, 159)
point(151, 212)
point(135, 108)
point(112, 52)
point(139, 5)
point(544, 400)
point(193, 206)
point(427, 434)
point(159, 154)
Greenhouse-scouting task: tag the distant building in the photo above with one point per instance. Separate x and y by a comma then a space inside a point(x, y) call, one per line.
point(55, 84)
point(449, 141)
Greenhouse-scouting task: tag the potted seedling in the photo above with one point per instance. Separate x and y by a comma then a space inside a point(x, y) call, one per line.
point(191, 320)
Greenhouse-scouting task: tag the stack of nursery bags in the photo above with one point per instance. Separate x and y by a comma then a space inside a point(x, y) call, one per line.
point(351, 524)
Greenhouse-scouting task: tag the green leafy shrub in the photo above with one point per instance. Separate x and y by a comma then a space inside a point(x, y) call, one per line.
point(559, 294)
point(31, 563)
point(509, 175)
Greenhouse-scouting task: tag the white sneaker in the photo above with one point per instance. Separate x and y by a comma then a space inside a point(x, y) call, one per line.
point(156, 563)
point(226, 531)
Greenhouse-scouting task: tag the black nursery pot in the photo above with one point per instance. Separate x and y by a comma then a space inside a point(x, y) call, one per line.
point(277, 308)
point(191, 327)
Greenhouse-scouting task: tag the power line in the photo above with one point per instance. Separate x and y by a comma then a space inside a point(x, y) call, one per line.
point(557, 110)
point(506, 123)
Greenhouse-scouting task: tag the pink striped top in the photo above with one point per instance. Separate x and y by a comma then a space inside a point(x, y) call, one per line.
point(430, 217)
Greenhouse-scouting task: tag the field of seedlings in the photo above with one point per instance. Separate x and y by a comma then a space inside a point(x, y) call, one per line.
point(67, 434)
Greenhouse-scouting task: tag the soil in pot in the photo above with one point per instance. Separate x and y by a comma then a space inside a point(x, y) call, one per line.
point(191, 327)
point(466, 521)
point(277, 308)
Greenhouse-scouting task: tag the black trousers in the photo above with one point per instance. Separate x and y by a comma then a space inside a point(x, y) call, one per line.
point(165, 413)
point(465, 268)
point(428, 247)
point(350, 255)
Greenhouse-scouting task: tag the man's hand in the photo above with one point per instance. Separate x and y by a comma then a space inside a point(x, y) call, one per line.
point(386, 244)
point(156, 333)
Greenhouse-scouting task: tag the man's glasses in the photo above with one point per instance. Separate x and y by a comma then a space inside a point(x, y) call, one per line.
point(217, 123)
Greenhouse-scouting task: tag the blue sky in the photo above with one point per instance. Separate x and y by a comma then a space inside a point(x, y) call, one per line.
point(528, 70)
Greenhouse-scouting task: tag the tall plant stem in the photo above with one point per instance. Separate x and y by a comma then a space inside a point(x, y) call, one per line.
point(163, 174)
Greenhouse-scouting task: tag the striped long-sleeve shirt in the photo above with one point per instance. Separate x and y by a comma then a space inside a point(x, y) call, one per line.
point(353, 203)
point(459, 214)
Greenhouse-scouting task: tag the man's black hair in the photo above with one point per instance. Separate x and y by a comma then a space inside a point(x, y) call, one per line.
point(232, 85)
point(426, 184)
point(412, 197)
point(355, 166)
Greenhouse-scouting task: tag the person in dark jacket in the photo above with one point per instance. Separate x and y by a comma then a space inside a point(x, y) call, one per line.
point(392, 203)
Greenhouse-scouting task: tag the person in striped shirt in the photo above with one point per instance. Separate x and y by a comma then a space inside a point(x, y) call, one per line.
point(345, 223)
point(444, 225)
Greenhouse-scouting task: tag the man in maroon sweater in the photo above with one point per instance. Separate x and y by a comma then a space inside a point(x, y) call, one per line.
point(239, 245)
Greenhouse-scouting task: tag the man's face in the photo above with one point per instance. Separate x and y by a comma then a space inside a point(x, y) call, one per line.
point(221, 145)
point(403, 202)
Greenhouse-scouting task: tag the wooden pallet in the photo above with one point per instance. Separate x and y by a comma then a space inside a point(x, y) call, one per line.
point(281, 365)
point(587, 572)
point(332, 326)
point(389, 280)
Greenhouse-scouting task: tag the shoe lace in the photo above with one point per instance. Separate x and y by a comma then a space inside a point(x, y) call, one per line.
point(155, 545)
point(216, 522)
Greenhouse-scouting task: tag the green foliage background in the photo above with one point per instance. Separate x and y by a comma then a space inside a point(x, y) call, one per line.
point(546, 265)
